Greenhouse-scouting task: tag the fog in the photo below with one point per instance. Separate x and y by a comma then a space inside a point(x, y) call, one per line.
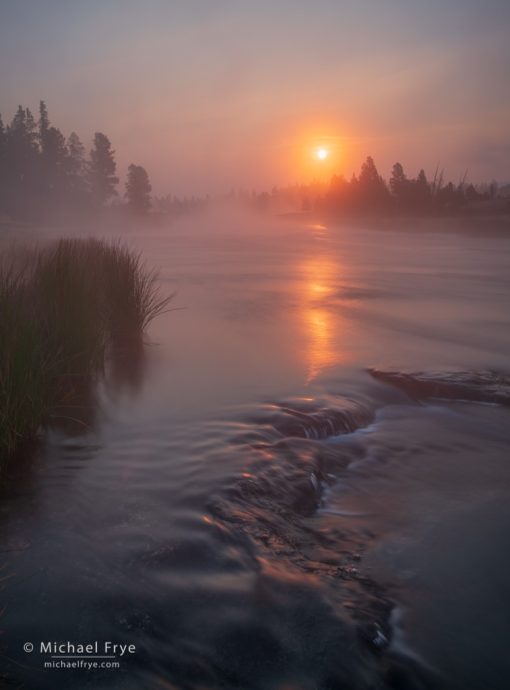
point(254, 336)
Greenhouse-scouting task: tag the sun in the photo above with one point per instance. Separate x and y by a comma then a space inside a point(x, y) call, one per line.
point(322, 154)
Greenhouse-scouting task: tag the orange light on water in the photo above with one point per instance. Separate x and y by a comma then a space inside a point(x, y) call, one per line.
point(323, 326)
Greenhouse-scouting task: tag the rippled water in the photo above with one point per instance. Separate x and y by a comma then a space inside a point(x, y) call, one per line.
point(249, 505)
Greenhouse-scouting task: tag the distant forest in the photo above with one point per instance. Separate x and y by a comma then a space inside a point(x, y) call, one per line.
point(43, 174)
point(368, 192)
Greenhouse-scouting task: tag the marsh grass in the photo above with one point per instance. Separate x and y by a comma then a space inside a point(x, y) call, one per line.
point(63, 310)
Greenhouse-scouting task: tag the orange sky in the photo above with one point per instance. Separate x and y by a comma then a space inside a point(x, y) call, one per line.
point(210, 96)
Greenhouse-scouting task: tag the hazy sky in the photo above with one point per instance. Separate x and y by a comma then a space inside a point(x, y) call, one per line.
point(214, 94)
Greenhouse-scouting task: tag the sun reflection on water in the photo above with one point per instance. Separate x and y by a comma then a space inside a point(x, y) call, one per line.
point(322, 324)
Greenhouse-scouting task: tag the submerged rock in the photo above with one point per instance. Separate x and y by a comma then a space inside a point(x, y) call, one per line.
point(315, 418)
point(477, 386)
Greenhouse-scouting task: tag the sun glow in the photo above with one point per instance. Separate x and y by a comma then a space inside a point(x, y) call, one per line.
point(316, 151)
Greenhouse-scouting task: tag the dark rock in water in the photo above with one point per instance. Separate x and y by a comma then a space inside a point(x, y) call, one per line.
point(482, 386)
point(308, 579)
point(315, 419)
point(307, 494)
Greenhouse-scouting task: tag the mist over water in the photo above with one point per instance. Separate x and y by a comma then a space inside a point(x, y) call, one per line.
point(251, 507)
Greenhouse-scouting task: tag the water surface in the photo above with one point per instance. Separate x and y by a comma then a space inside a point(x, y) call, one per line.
point(247, 505)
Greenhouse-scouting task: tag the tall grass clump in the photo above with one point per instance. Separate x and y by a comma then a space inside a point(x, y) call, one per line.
point(63, 310)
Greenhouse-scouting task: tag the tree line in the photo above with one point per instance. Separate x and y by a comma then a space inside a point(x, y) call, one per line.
point(365, 193)
point(42, 172)
point(368, 192)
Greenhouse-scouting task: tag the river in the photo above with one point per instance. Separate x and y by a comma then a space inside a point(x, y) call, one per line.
point(249, 504)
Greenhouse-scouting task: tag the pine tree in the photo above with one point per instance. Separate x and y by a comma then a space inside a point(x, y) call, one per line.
point(399, 185)
point(21, 161)
point(372, 190)
point(102, 169)
point(422, 192)
point(138, 189)
point(76, 154)
point(31, 127)
point(76, 170)
point(52, 169)
point(44, 123)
